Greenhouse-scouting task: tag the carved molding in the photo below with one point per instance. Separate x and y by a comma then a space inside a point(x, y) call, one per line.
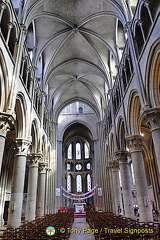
point(22, 146)
point(42, 167)
point(3, 5)
point(35, 158)
point(152, 117)
point(134, 142)
point(114, 164)
point(121, 156)
point(6, 121)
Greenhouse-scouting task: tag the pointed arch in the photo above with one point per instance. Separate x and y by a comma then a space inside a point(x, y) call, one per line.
point(21, 116)
point(34, 135)
point(152, 75)
point(133, 113)
point(44, 148)
point(3, 83)
point(121, 134)
point(112, 147)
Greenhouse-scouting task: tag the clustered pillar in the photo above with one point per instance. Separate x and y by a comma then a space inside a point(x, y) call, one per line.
point(41, 190)
point(32, 186)
point(5, 122)
point(135, 145)
point(15, 208)
point(126, 183)
point(152, 117)
point(116, 186)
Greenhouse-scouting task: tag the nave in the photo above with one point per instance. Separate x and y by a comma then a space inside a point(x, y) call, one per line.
point(79, 113)
point(80, 230)
point(96, 225)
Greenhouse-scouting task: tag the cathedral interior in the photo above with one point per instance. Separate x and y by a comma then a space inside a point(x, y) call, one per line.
point(79, 108)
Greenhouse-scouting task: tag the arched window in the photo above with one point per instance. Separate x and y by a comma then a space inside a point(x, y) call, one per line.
point(88, 166)
point(78, 151)
point(68, 166)
point(86, 150)
point(132, 171)
point(69, 183)
point(30, 40)
point(88, 182)
point(78, 167)
point(120, 179)
point(69, 154)
point(79, 183)
point(80, 110)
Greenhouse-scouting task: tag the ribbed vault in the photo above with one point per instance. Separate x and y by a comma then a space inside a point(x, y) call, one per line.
point(75, 47)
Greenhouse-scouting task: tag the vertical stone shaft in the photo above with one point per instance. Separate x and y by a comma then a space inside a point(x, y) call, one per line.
point(135, 145)
point(32, 187)
point(41, 190)
point(116, 185)
point(15, 208)
point(126, 183)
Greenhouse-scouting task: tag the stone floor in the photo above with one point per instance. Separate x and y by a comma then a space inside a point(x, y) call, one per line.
point(80, 230)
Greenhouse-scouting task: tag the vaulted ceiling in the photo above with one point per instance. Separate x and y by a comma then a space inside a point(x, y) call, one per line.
point(74, 41)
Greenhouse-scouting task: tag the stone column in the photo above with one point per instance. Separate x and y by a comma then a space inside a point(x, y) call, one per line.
point(126, 183)
point(59, 183)
point(10, 26)
point(5, 122)
point(135, 145)
point(32, 186)
point(152, 116)
point(95, 166)
point(116, 185)
point(47, 195)
point(15, 207)
point(41, 190)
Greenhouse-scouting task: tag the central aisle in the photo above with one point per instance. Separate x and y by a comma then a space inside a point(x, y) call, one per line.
point(78, 225)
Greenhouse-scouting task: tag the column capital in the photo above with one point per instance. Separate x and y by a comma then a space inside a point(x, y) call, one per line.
point(108, 167)
point(121, 156)
point(24, 58)
point(3, 5)
point(152, 117)
point(146, 3)
point(22, 146)
point(127, 25)
point(134, 142)
point(6, 120)
point(114, 164)
point(10, 25)
point(35, 158)
point(24, 28)
point(140, 22)
point(48, 169)
point(42, 167)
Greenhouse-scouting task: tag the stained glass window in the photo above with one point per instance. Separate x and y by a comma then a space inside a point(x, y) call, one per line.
point(78, 167)
point(86, 150)
point(88, 182)
point(70, 151)
point(79, 183)
point(88, 166)
point(69, 183)
point(78, 151)
point(80, 110)
point(68, 166)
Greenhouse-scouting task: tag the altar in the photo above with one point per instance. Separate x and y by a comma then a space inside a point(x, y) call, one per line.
point(79, 207)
